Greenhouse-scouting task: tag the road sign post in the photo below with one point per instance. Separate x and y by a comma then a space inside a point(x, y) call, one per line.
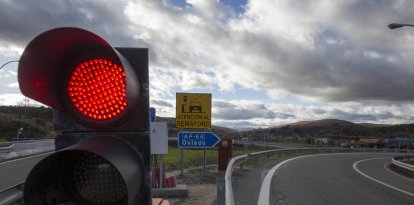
point(205, 161)
point(181, 160)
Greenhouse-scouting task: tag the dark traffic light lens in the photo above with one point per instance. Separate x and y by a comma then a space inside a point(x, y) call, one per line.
point(97, 89)
point(96, 181)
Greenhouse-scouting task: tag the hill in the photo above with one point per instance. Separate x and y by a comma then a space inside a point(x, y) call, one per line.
point(220, 131)
point(35, 121)
point(330, 128)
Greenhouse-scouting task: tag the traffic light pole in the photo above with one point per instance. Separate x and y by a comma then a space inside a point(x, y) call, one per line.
point(161, 170)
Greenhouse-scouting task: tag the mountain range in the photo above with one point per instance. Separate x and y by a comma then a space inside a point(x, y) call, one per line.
point(37, 123)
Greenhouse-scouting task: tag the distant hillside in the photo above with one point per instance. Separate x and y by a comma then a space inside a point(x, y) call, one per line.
point(35, 121)
point(370, 125)
point(332, 128)
point(219, 131)
point(401, 130)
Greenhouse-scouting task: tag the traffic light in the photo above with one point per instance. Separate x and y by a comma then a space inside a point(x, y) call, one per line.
point(100, 99)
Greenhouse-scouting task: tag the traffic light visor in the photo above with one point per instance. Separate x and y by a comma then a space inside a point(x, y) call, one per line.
point(77, 72)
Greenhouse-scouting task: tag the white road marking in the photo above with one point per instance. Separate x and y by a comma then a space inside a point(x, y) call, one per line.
point(376, 180)
point(5, 189)
point(264, 196)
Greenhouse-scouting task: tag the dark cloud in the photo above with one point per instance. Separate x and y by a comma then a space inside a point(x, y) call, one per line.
point(223, 104)
point(21, 21)
point(162, 103)
point(234, 113)
point(335, 51)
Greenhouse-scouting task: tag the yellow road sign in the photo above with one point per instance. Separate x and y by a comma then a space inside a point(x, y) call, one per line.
point(193, 110)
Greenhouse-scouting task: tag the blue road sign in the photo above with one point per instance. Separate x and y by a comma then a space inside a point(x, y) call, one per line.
point(152, 114)
point(197, 139)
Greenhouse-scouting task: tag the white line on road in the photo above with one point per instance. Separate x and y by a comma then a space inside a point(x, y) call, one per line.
point(264, 196)
point(376, 180)
point(10, 187)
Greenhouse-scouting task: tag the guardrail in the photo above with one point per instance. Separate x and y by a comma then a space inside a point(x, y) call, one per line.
point(404, 168)
point(228, 189)
point(11, 195)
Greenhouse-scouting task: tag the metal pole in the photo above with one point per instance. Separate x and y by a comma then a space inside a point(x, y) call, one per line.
point(221, 193)
point(182, 161)
point(161, 170)
point(205, 161)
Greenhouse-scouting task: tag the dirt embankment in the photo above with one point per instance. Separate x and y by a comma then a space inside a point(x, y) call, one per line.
point(201, 188)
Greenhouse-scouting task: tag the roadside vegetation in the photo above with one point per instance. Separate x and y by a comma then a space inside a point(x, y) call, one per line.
point(35, 121)
point(194, 157)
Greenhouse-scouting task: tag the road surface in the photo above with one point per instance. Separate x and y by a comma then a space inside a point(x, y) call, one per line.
point(15, 171)
point(349, 178)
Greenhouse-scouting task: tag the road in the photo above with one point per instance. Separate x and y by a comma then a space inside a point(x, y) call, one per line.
point(349, 178)
point(15, 171)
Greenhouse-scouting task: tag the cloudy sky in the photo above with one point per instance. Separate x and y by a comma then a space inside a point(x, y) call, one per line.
point(266, 62)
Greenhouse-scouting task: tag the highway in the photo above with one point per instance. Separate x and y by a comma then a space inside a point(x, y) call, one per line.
point(15, 171)
point(349, 178)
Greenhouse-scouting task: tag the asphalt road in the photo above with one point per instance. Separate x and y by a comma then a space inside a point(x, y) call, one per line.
point(332, 179)
point(15, 171)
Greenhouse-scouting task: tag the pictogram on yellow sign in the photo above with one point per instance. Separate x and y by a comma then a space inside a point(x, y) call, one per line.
point(193, 110)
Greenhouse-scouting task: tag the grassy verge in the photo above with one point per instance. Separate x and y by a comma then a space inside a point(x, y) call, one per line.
point(194, 157)
point(410, 162)
point(4, 143)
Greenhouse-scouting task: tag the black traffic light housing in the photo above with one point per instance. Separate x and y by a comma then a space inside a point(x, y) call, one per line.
point(100, 99)
point(49, 60)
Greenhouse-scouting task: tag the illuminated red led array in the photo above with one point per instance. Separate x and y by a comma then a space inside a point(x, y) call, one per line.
point(97, 89)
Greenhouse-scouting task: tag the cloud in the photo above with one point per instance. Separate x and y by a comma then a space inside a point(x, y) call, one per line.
point(312, 51)
point(276, 46)
point(162, 103)
point(8, 74)
point(13, 85)
point(11, 99)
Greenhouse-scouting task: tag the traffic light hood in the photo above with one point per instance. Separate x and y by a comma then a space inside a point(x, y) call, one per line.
point(51, 68)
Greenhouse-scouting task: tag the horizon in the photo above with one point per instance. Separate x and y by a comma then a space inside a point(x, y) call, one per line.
point(249, 128)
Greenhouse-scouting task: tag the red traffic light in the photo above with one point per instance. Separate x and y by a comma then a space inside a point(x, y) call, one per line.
point(79, 73)
point(97, 89)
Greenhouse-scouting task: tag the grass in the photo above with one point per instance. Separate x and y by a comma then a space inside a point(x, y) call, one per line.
point(410, 162)
point(194, 157)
